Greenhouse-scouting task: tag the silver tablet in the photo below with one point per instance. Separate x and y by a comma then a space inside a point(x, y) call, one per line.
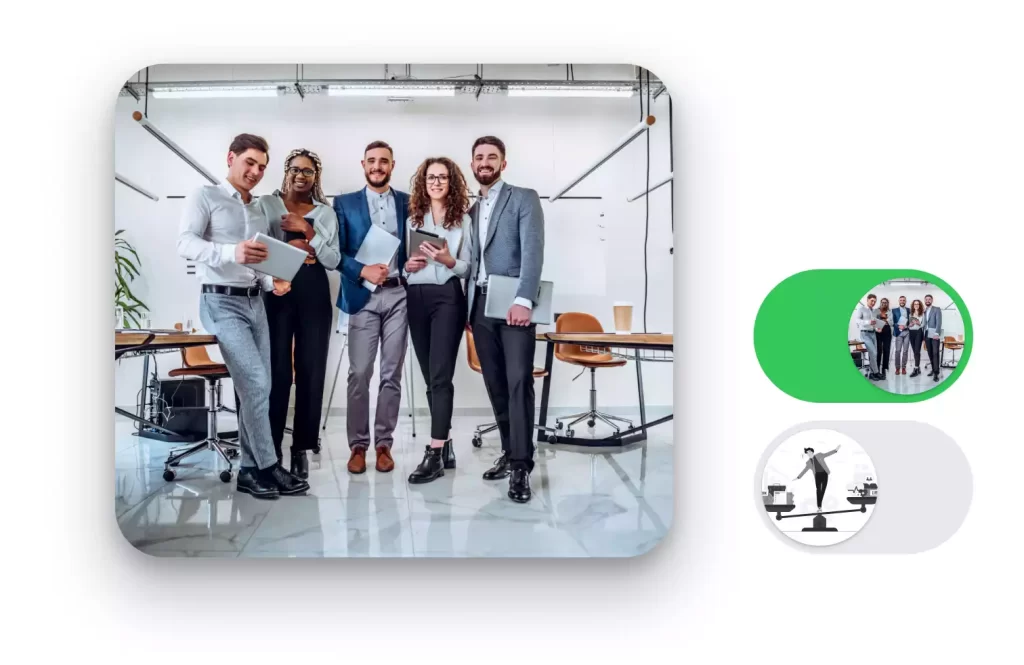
point(283, 260)
point(418, 237)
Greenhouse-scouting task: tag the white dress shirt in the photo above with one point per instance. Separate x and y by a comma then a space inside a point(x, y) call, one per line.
point(486, 204)
point(436, 272)
point(383, 214)
point(214, 221)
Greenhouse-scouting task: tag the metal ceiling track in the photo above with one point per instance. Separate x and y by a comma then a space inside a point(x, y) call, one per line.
point(465, 86)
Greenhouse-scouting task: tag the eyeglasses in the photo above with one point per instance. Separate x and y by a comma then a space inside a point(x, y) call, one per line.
point(295, 170)
point(432, 178)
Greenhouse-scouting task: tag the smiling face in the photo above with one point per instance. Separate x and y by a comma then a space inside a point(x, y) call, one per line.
point(437, 181)
point(927, 301)
point(903, 301)
point(488, 163)
point(378, 164)
point(246, 170)
point(301, 175)
point(871, 302)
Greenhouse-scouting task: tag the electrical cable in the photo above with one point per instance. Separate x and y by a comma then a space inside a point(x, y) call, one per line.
point(647, 201)
point(145, 108)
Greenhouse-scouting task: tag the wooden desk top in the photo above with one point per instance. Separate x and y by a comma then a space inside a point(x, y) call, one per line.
point(636, 341)
point(162, 341)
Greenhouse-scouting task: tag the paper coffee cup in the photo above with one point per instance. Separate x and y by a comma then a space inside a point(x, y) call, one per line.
point(623, 316)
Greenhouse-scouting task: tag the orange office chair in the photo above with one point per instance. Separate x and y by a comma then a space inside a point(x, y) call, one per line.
point(581, 322)
point(474, 364)
point(954, 345)
point(196, 362)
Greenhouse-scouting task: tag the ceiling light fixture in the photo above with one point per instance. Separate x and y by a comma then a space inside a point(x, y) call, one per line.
point(173, 147)
point(215, 93)
point(568, 91)
point(396, 91)
point(628, 138)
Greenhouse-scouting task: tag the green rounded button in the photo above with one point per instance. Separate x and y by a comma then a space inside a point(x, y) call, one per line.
point(803, 326)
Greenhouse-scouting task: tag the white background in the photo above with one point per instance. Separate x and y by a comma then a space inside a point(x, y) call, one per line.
point(800, 123)
point(549, 142)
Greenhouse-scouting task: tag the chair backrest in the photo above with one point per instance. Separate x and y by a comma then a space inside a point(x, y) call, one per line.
point(471, 357)
point(194, 356)
point(575, 322)
point(950, 338)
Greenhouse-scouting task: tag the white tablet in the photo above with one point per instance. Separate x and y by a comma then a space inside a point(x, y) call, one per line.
point(283, 260)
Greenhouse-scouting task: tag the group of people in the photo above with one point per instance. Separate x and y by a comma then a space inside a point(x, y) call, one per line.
point(273, 332)
point(907, 329)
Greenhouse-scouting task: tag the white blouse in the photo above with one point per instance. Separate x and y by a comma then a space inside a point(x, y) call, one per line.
point(434, 272)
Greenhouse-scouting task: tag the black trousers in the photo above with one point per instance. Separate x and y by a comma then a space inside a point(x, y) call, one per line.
point(820, 483)
point(916, 338)
point(506, 358)
point(933, 354)
point(437, 317)
point(884, 347)
point(304, 315)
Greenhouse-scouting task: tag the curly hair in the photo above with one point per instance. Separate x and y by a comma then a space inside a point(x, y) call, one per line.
point(318, 193)
point(456, 203)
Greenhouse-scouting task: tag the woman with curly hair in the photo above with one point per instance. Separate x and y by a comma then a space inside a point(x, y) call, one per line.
point(437, 305)
point(300, 215)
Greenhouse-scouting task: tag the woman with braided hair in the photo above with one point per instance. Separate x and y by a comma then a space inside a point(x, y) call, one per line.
point(300, 215)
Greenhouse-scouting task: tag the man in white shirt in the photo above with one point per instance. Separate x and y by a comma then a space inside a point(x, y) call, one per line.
point(901, 335)
point(506, 238)
point(865, 320)
point(217, 227)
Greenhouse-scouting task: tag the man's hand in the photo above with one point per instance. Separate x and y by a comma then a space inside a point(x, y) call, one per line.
point(902, 327)
point(415, 264)
point(250, 251)
point(441, 255)
point(297, 224)
point(375, 274)
point(518, 316)
point(873, 321)
point(281, 287)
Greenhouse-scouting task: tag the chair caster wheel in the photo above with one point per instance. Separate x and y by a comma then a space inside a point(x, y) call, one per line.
point(316, 450)
point(225, 476)
point(477, 442)
point(570, 433)
point(559, 425)
point(552, 438)
point(590, 423)
point(168, 475)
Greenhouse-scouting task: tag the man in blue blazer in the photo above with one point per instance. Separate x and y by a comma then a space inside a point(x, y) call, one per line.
point(378, 317)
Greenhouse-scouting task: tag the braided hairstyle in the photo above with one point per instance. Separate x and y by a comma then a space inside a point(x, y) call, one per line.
point(318, 192)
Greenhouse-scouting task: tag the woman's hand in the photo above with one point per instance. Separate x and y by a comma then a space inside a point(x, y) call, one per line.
point(297, 224)
point(441, 255)
point(415, 264)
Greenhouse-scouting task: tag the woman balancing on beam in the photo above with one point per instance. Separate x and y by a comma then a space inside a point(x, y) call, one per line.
point(299, 214)
point(816, 462)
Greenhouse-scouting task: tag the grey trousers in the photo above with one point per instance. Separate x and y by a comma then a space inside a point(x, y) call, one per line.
point(901, 347)
point(868, 337)
point(240, 324)
point(382, 322)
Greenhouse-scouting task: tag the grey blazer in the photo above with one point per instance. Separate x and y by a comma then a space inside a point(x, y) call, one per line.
point(933, 321)
point(514, 245)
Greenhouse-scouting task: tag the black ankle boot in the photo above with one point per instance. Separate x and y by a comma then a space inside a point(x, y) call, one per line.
point(448, 455)
point(431, 468)
point(300, 464)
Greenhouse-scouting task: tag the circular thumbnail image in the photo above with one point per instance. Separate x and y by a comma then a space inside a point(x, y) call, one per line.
point(906, 336)
point(819, 487)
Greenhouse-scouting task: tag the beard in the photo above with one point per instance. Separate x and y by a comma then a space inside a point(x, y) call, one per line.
point(385, 179)
point(487, 179)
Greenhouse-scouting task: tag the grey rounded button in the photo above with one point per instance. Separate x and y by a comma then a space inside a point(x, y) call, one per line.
point(927, 486)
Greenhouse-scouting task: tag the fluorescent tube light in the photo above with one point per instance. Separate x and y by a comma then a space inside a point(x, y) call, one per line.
point(628, 138)
point(388, 91)
point(568, 91)
point(655, 186)
point(131, 185)
point(212, 93)
point(173, 147)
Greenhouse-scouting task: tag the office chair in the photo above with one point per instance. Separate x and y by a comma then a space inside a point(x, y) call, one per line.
point(954, 345)
point(197, 363)
point(474, 364)
point(581, 322)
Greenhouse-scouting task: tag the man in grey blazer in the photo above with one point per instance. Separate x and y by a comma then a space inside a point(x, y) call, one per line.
point(932, 332)
point(506, 238)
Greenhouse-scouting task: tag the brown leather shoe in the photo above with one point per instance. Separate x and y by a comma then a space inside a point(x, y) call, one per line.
point(384, 461)
point(357, 462)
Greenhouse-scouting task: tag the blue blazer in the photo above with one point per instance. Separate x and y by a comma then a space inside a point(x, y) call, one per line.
point(353, 224)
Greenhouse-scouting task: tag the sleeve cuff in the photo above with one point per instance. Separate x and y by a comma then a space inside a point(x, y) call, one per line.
point(227, 254)
point(268, 282)
point(461, 268)
point(525, 303)
point(317, 243)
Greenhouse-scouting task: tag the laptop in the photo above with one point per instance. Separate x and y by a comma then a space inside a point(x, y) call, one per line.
point(501, 293)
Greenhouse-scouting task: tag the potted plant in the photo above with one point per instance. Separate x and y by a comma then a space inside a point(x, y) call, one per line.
point(125, 271)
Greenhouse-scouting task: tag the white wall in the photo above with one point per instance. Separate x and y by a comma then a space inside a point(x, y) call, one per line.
point(594, 250)
point(952, 322)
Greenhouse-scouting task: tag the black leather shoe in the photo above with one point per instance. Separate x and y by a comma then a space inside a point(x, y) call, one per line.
point(286, 483)
point(936, 377)
point(519, 486)
point(502, 467)
point(916, 372)
point(249, 482)
point(300, 464)
point(431, 468)
point(448, 455)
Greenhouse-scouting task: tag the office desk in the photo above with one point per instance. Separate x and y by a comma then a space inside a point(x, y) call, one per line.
point(130, 345)
point(639, 348)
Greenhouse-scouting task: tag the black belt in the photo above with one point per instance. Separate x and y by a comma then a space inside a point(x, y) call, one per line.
point(248, 291)
point(392, 282)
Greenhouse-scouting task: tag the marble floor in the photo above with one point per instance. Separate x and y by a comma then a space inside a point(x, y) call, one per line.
point(587, 502)
point(911, 385)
